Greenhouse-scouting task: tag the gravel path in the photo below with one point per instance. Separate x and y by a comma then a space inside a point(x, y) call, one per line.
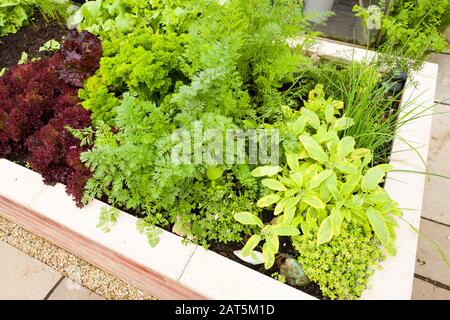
point(69, 265)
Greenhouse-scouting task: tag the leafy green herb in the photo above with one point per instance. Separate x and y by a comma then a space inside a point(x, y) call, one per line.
point(326, 182)
point(417, 26)
point(85, 135)
point(151, 231)
point(343, 266)
point(279, 277)
point(108, 218)
point(50, 46)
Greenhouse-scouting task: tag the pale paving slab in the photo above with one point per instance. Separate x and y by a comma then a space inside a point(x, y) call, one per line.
point(70, 290)
point(96, 280)
point(443, 81)
point(22, 277)
point(426, 291)
point(436, 205)
point(429, 263)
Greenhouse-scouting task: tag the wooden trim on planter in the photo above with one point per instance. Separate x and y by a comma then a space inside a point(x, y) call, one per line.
point(143, 278)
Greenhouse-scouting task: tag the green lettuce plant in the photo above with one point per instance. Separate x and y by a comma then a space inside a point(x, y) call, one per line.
point(14, 14)
point(325, 184)
point(110, 18)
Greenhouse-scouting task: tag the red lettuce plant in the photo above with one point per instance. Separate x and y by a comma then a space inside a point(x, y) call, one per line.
point(80, 56)
point(55, 152)
point(39, 100)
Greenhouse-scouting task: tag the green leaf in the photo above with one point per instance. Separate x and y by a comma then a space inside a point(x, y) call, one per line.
point(331, 185)
point(250, 124)
point(345, 147)
point(314, 150)
point(320, 178)
point(123, 22)
point(266, 171)
point(379, 196)
point(50, 45)
point(352, 181)
point(378, 225)
point(251, 245)
point(329, 113)
point(322, 135)
point(367, 159)
point(268, 200)
point(273, 242)
point(298, 179)
point(347, 214)
point(108, 218)
point(269, 256)
point(306, 228)
point(289, 215)
point(290, 193)
point(360, 153)
point(292, 161)
point(343, 124)
point(75, 18)
point(311, 117)
point(325, 233)
point(284, 231)
point(299, 125)
point(91, 8)
point(313, 201)
point(23, 58)
point(292, 202)
point(274, 185)
point(288, 182)
point(280, 207)
point(336, 221)
point(214, 173)
point(248, 218)
point(385, 167)
point(372, 179)
point(346, 167)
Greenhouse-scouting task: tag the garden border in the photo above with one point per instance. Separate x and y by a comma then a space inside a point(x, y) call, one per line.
point(174, 270)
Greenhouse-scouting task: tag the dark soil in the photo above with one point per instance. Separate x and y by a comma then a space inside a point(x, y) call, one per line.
point(29, 39)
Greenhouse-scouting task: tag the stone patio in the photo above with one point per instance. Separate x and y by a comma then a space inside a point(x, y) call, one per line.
point(432, 274)
point(24, 277)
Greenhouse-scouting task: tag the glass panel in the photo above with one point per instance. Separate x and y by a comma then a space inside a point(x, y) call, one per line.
point(344, 25)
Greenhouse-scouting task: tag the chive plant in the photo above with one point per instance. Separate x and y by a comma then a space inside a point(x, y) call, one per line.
point(371, 99)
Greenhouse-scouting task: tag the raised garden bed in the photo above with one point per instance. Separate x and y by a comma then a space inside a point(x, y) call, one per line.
point(174, 270)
